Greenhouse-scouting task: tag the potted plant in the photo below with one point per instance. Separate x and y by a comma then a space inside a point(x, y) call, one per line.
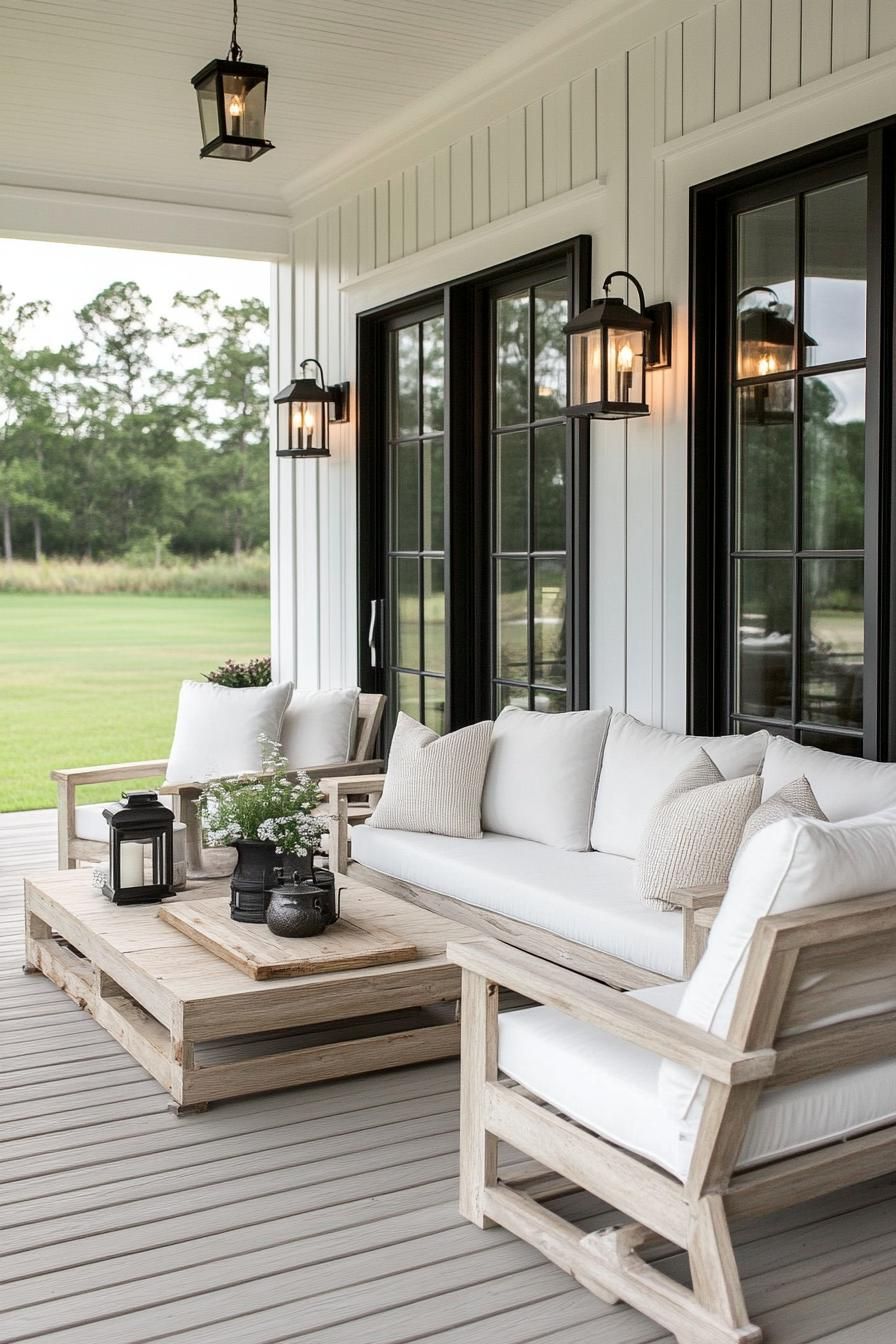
point(267, 819)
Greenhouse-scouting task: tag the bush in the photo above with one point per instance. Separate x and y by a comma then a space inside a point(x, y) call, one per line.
point(217, 576)
point(256, 672)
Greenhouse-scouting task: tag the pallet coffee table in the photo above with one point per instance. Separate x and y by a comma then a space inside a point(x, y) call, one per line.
point(206, 1030)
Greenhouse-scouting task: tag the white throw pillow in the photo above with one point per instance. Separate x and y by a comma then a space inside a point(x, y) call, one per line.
point(217, 729)
point(795, 799)
point(319, 727)
point(795, 863)
point(433, 783)
point(639, 765)
point(694, 833)
point(845, 786)
point(542, 775)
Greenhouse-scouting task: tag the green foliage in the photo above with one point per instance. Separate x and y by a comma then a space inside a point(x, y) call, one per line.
point(145, 438)
point(255, 672)
point(274, 808)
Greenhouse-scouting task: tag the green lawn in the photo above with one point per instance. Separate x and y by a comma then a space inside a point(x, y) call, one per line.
point(90, 680)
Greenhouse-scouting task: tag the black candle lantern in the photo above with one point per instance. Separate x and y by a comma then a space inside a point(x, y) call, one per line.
point(304, 415)
point(766, 341)
point(233, 98)
point(141, 834)
point(611, 347)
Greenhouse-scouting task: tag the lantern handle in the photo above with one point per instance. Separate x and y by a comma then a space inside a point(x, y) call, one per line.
point(758, 289)
point(236, 51)
point(628, 275)
point(323, 381)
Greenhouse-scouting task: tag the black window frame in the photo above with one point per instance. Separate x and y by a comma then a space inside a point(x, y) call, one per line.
point(467, 304)
point(711, 442)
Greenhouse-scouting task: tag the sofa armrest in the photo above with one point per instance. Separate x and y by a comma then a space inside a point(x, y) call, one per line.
point(107, 774)
point(699, 907)
point(337, 792)
point(626, 1017)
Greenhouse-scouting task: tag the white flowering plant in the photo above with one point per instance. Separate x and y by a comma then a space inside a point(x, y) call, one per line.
point(274, 807)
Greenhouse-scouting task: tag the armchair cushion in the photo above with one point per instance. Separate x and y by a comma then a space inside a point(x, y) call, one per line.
point(217, 729)
point(844, 786)
point(640, 763)
point(612, 1088)
point(319, 727)
point(542, 775)
point(90, 824)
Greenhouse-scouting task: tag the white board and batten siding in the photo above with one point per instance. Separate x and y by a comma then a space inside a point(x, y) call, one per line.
point(611, 135)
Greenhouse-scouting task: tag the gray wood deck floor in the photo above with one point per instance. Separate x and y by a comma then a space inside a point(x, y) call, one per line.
point(325, 1215)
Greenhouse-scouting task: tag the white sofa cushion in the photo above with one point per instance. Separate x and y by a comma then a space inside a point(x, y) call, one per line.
point(639, 765)
point(434, 783)
point(542, 775)
point(795, 863)
point(90, 824)
point(845, 786)
point(319, 727)
point(217, 729)
point(795, 799)
point(611, 1087)
point(694, 832)
point(586, 897)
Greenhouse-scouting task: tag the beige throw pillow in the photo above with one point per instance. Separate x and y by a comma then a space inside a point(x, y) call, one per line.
point(694, 832)
point(795, 799)
point(433, 783)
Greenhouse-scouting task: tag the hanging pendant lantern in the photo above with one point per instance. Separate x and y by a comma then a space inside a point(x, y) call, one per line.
point(304, 416)
point(232, 101)
point(611, 347)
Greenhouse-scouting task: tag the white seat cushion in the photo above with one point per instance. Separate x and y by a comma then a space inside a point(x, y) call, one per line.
point(611, 1087)
point(845, 786)
point(90, 824)
point(542, 775)
point(586, 897)
point(319, 727)
point(640, 763)
point(218, 728)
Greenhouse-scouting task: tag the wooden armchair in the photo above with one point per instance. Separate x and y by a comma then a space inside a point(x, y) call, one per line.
point(774, 1041)
point(74, 847)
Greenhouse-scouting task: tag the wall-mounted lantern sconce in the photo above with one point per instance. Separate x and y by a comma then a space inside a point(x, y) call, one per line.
point(611, 347)
point(304, 415)
point(233, 98)
point(766, 342)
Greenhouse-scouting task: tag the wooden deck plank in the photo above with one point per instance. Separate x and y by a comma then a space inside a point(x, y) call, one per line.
point(121, 1223)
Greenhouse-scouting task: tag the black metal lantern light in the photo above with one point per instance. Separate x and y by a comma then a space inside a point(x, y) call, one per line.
point(611, 348)
point(141, 832)
point(766, 344)
point(232, 101)
point(304, 415)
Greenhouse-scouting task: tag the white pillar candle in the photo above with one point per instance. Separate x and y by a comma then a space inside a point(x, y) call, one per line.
point(130, 859)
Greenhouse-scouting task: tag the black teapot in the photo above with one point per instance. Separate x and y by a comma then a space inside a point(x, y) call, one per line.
point(299, 909)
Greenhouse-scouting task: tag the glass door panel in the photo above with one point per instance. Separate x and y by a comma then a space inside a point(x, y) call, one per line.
point(416, 607)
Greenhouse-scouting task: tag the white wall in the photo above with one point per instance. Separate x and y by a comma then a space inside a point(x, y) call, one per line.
point(605, 134)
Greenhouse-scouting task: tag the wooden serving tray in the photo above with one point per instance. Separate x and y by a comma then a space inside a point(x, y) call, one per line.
point(349, 943)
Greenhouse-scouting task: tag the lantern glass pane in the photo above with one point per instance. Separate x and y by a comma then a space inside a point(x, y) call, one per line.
point(625, 365)
point(585, 357)
point(208, 109)
point(244, 100)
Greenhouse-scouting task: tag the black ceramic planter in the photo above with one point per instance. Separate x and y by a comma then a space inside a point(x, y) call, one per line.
point(298, 909)
point(253, 877)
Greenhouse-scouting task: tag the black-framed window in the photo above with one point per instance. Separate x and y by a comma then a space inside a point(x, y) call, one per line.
point(472, 493)
point(791, 475)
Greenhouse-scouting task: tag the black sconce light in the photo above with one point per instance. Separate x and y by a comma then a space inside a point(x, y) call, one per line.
point(611, 347)
point(766, 340)
point(304, 416)
point(232, 100)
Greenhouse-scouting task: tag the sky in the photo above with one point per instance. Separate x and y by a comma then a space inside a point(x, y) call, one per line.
point(69, 275)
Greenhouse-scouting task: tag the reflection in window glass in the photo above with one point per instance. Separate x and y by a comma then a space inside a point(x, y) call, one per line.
point(549, 488)
point(434, 615)
point(407, 689)
point(766, 270)
point(834, 461)
point(433, 374)
point(406, 360)
point(512, 620)
point(512, 487)
point(764, 637)
point(407, 618)
point(434, 703)
point(432, 452)
point(518, 696)
point(549, 622)
point(512, 360)
point(765, 468)
point(405, 504)
point(836, 266)
point(551, 309)
point(833, 641)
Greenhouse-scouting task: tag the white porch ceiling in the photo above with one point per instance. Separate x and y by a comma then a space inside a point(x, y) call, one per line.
point(98, 95)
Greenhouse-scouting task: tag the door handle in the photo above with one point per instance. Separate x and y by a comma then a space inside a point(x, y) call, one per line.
point(373, 631)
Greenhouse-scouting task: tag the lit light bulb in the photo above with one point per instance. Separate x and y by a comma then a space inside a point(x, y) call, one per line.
point(236, 106)
point(309, 420)
point(767, 364)
point(626, 357)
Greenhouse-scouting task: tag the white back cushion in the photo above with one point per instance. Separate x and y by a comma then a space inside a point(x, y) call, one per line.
point(542, 775)
point(640, 763)
point(794, 863)
point(319, 727)
point(434, 783)
point(845, 786)
point(217, 729)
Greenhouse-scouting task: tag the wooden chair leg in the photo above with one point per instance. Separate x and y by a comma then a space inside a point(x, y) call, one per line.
point(714, 1272)
point(65, 823)
point(479, 1065)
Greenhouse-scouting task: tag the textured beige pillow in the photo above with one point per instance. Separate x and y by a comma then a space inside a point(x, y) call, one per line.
point(694, 832)
point(795, 799)
point(434, 783)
